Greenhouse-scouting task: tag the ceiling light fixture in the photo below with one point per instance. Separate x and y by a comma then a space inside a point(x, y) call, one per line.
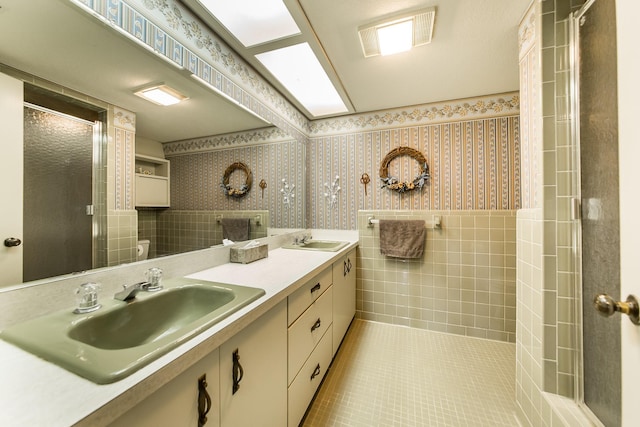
point(397, 34)
point(253, 22)
point(161, 94)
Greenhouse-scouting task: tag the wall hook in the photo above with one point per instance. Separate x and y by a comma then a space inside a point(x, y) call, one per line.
point(262, 185)
point(365, 180)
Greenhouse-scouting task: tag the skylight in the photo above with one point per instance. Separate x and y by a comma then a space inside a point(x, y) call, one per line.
point(298, 69)
point(253, 22)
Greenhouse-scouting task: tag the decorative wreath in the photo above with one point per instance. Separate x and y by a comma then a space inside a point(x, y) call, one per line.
point(244, 189)
point(391, 182)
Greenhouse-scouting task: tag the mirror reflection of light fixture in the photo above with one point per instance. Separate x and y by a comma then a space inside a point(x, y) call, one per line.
point(397, 34)
point(161, 94)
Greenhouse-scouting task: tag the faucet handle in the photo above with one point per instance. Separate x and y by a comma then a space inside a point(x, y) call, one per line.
point(154, 278)
point(87, 298)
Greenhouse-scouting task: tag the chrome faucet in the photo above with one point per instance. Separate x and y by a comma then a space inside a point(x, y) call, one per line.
point(301, 240)
point(129, 292)
point(153, 283)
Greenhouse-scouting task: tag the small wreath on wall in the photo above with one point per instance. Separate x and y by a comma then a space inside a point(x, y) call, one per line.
point(393, 183)
point(244, 189)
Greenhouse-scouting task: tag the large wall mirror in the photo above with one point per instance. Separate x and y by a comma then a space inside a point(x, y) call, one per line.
point(77, 65)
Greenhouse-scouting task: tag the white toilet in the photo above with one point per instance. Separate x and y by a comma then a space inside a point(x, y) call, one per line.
point(143, 249)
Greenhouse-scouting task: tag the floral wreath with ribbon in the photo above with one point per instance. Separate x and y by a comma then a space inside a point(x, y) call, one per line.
point(244, 189)
point(393, 183)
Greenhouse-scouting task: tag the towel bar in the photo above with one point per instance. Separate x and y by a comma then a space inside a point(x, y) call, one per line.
point(257, 219)
point(435, 223)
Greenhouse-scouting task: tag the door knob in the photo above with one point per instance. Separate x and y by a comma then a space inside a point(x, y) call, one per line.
point(12, 241)
point(607, 306)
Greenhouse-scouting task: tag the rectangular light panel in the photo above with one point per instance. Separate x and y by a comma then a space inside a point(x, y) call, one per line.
point(396, 38)
point(253, 22)
point(298, 69)
point(161, 95)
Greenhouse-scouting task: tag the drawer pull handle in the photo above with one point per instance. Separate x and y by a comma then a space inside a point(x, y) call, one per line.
point(316, 372)
point(316, 325)
point(316, 288)
point(204, 401)
point(237, 372)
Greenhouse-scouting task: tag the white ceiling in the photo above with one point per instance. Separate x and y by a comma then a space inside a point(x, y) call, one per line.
point(473, 52)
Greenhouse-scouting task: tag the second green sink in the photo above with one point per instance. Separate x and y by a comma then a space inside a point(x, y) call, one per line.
point(318, 245)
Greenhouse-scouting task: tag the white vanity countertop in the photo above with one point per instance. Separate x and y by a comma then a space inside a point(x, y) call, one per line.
point(38, 393)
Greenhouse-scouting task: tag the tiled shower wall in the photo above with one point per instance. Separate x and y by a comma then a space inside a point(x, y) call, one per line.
point(464, 284)
point(546, 278)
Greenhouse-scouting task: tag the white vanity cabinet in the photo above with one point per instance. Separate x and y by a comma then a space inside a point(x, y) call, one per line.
point(253, 373)
point(152, 182)
point(268, 373)
point(310, 315)
point(260, 374)
point(176, 403)
point(344, 296)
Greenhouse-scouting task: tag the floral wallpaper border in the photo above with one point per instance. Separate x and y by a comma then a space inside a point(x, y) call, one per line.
point(491, 106)
point(231, 140)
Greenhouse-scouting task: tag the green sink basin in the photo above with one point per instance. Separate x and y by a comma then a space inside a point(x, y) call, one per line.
point(120, 338)
point(318, 245)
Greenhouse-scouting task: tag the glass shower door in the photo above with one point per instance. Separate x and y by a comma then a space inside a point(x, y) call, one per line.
point(58, 187)
point(594, 42)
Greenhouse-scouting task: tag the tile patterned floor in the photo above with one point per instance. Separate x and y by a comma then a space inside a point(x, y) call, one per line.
point(387, 375)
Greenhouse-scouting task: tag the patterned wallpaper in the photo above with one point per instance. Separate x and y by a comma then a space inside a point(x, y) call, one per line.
point(196, 179)
point(123, 152)
point(530, 144)
point(472, 147)
point(474, 165)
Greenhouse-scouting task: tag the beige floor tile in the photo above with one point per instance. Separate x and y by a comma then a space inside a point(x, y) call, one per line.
point(387, 375)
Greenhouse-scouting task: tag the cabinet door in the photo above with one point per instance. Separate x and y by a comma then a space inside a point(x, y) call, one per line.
point(344, 296)
point(176, 403)
point(256, 360)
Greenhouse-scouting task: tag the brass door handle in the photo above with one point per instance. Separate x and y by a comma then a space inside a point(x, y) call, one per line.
point(607, 306)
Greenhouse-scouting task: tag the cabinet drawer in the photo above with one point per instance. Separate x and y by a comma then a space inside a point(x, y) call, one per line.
point(303, 388)
point(306, 332)
point(307, 294)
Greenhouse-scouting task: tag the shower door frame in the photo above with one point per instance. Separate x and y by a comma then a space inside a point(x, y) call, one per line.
point(574, 111)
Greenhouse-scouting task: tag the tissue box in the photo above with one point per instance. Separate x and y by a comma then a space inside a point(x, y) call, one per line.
point(247, 255)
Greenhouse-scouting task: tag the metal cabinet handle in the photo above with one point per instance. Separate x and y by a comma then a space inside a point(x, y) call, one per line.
point(316, 325)
point(204, 401)
point(12, 242)
point(347, 267)
point(316, 372)
point(237, 372)
point(316, 287)
point(607, 306)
